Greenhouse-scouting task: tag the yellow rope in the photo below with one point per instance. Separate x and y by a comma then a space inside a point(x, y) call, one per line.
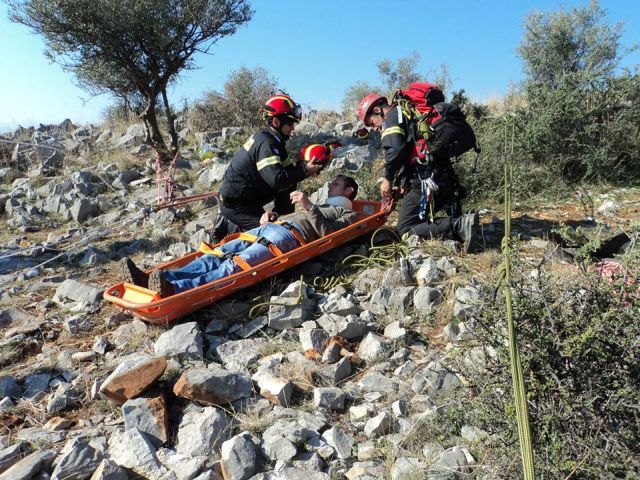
point(519, 392)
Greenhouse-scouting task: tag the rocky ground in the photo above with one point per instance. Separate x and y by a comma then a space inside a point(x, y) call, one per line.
point(322, 382)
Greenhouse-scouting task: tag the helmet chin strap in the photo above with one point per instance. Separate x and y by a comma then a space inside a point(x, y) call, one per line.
point(279, 128)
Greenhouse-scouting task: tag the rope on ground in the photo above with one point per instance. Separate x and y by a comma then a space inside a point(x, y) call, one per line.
point(333, 281)
point(519, 392)
point(381, 256)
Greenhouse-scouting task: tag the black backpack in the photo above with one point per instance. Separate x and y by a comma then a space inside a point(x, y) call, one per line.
point(449, 135)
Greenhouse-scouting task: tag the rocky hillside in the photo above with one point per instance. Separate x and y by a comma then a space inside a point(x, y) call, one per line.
point(325, 380)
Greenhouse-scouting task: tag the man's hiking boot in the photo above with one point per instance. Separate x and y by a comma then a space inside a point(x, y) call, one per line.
point(466, 229)
point(132, 274)
point(160, 284)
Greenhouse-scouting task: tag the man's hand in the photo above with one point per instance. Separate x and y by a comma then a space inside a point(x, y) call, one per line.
point(301, 198)
point(385, 190)
point(268, 217)
point(314, 168)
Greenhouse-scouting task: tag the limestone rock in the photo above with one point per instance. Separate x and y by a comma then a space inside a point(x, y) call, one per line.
point(238, 457)
point(214, 385)
point(202, 431)
point(31, 465)
point(133, 375)
point(276, 389)
point(131, 449)
point(79, 292)
point(182, 341)
point(149, 415)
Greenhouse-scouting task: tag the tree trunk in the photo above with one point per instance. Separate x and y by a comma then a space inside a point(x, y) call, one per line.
point(170, 118)
point(157, 142)
point(147, 131)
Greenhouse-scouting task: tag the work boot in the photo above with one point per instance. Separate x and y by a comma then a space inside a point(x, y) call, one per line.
point(158, 283)
point(466, 228)
point(132, 274)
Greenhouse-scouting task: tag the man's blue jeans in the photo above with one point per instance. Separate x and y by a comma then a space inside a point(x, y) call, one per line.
point(208, 267)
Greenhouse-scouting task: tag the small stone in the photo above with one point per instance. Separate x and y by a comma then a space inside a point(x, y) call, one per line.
point(331, 398)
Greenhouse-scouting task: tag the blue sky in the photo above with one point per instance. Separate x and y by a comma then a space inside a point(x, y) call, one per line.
point(315, 49)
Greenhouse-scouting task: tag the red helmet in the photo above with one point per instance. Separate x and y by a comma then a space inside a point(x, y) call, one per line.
point(321, 154)
point(367, 104)
point(281, 105)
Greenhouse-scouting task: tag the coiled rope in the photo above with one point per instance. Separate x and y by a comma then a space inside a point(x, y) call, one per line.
point(380, 256)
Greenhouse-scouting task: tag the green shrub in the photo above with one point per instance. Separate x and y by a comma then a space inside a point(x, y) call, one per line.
point(245, 91)
point(578, 339)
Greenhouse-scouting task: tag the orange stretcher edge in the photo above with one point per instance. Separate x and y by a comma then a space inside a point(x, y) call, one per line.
point(149, 306)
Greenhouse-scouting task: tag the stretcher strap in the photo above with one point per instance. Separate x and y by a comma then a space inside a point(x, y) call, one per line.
point(247, 237)
point(206, 248)
point(293, 229)
point(242, 263)
point(209, 250)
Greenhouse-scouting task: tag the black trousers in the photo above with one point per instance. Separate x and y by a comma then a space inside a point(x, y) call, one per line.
point(409, 214)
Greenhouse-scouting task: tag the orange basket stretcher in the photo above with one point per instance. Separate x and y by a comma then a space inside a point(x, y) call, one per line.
point(149, 306)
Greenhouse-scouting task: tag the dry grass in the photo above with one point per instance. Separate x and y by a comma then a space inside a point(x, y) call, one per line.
point(253, 421)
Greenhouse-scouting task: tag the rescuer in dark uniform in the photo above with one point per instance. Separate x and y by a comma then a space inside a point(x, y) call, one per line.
point(262, 172)
point(428, 186)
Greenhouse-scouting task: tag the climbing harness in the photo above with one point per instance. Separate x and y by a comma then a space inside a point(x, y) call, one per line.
point(428, 187)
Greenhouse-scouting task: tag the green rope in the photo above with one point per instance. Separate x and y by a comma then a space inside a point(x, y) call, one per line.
point(379, 256)
point(382, 256)
point(519, 393)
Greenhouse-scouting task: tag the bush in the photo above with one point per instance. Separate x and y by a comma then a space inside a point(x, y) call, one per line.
point(578, 106)
point(578, 339)
point(352, 97)
point(245, 91)
point(210, 113)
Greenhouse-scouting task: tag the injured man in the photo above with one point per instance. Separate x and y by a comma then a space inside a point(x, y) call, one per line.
point(257, 245)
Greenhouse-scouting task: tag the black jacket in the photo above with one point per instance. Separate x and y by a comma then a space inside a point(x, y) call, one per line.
point(259, 170)
point(396, 143)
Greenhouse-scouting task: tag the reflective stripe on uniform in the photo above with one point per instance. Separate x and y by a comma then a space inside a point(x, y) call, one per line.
point(399, 114)
point(392, 130)
point(248, 144)
point(265, 162)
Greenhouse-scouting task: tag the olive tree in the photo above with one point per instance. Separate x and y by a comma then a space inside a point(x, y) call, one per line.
point(131, 47)
point(352, 96)
point(394, 74)
point(580, 103)
point(399, 74)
